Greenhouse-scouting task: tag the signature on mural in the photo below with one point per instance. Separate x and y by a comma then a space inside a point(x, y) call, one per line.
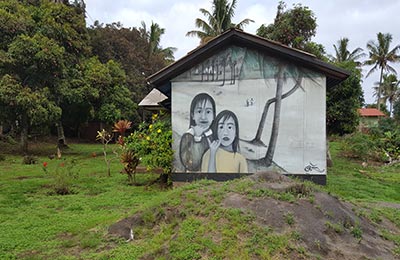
point(313, 167)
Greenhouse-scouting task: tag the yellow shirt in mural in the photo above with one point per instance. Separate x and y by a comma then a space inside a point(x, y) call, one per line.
point(226, 162)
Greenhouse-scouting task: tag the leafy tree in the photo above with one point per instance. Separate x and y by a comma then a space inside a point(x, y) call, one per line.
point(49, 40)
point(380, 56)
point(343, 100)
point(219, 19)
point(110, 99)
point(390, 90)
point(129, 47)
point(31, 108)
point(342, 54)
point(293, 27)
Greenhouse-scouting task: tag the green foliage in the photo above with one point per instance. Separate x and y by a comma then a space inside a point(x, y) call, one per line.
point(62, 174)
point(396, 110)
point(293, 27)
point(360, 146)
point(381, 144)
point(219, 19)
point(152, 143)
point(342, 102)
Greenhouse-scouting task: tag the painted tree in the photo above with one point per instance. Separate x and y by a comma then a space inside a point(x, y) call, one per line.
point(380, 57)
point(219, 19)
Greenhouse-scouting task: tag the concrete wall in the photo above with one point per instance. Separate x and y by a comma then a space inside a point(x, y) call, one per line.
point(244, 82)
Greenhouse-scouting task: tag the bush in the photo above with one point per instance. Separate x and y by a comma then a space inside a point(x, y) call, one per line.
point(152, 143)
point(382, 143)
point(360, 146)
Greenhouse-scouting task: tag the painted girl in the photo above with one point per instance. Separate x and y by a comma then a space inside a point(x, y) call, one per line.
point(223, 155)
point(197, 139)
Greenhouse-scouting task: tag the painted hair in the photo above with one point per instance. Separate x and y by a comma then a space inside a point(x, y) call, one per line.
point(225, 115)
point(202, 99)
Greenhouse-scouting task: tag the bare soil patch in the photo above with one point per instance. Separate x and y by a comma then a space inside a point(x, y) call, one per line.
point(328, 227)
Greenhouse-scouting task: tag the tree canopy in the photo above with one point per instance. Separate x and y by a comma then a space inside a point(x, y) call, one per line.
point(219, 19)
point(380, 56)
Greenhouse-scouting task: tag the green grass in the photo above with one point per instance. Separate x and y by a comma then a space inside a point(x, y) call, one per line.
point(351, 181)
point(36, 223)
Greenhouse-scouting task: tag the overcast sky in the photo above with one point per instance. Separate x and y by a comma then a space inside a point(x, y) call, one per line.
point(358, 20)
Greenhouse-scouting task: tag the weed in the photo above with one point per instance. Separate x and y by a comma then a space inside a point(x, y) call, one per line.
point(289, 218)
point(338, 228)
point(356, 231)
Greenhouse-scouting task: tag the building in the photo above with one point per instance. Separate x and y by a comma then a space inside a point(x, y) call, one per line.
point(369, 117)
point(263, 101)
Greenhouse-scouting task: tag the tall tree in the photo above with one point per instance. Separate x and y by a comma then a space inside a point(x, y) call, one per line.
point(390, 90)
point(153, 38)
point(380, 55)
point(219, 19)
point(343, 100)
point(293, 27)
point(342, 53)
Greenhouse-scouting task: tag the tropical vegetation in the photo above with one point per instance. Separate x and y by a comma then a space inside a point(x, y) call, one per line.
point(381, 56)
point(219, 19)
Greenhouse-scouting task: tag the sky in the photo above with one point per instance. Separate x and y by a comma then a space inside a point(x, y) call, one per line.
point(358, 20)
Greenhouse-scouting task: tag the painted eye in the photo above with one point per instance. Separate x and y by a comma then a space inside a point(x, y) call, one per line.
point(221, 127)
point(230, 127)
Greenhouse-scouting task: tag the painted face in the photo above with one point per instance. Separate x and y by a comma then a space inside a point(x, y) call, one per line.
point(226, 131)
point(203, 114)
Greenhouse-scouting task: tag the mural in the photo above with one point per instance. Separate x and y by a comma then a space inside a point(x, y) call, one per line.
point(278, 107)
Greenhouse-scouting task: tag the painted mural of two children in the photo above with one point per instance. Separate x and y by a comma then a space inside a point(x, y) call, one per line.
point(211, 143)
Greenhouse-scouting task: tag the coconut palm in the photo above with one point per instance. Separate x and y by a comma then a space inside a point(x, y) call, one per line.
point(153, 38)
point(390, 90)
point(342, 54)
point(380, 56)
point(219, 20)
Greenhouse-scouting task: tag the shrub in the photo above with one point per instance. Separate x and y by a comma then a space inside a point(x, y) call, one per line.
point(152, 143)
point(360, 146)
point(62, 174)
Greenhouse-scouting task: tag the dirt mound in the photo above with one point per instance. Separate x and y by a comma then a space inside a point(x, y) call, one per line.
point(327, 227)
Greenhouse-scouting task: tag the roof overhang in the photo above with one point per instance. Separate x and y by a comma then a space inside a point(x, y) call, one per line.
point(161, 79)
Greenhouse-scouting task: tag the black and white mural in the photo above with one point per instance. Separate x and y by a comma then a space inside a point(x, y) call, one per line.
point(243, 111)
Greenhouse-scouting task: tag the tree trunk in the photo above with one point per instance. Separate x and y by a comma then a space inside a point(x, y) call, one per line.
point(379, 91)
point(60, 134)
point(24, 134)
point(277, 116)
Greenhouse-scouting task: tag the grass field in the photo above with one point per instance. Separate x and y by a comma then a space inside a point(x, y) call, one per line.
point(36, 223)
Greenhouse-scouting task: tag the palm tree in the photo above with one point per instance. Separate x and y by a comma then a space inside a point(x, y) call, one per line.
point(390, 90)
point(153, 38)
point(342, 54)
point(219, 20)
point(380, 56)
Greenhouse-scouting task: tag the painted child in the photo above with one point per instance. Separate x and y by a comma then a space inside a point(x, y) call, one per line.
point(223, 155)
point(195, 142)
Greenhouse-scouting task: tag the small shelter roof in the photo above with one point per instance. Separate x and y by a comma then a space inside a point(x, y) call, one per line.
point(370, 112)
point(153, 100)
